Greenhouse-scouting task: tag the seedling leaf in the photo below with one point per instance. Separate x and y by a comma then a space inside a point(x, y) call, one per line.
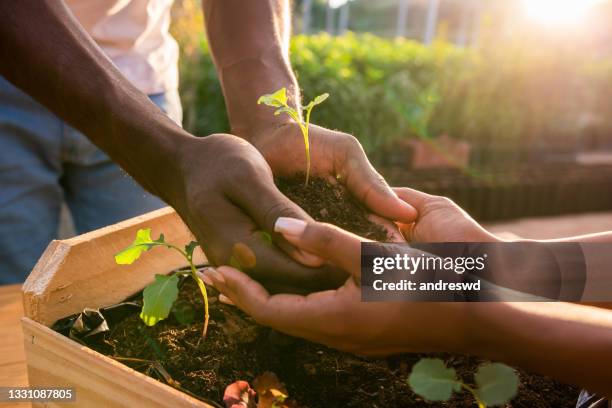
point(497, 383)
point(158, 299)
point(276, 99)
point(320, 99)
point(143, 242)
point(432, 380)
point(189, 248)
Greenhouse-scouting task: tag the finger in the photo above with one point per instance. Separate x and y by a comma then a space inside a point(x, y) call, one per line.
point(324, 240)
point(264, 203)
point(416, 198)
point(303, 316)
point(225, 300)
point(393, 232)
point(231, 238)
point(370, 188)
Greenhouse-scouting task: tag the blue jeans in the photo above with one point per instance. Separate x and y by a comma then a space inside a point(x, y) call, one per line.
point(44, 163)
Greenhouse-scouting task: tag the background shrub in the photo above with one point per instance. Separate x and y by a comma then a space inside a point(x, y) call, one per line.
point(512, 96)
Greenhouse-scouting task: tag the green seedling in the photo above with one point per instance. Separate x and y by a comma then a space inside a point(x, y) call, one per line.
point(496, 383)
point(278, 100)
point(160, 295)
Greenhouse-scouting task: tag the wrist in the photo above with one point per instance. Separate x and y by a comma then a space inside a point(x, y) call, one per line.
point(245, 81)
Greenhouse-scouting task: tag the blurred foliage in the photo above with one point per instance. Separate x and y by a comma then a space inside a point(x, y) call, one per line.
point(502, 93)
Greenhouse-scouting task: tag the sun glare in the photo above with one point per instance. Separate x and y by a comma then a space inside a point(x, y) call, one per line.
point(558, 11)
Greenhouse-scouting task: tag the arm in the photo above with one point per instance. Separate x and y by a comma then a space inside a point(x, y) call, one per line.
point(46, 53)
point(249, 41)
point(572, 343)
point(49, 56)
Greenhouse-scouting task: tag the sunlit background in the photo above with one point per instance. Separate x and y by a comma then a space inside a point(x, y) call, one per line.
point(504, 105)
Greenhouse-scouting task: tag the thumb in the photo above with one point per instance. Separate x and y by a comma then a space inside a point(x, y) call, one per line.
point(323, 240)
point(368, 186)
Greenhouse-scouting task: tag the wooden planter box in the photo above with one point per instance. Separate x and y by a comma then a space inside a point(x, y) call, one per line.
point(81, 272)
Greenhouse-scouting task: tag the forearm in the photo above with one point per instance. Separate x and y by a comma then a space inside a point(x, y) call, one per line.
point(569, 342)
point(249, 41)
point(48, 55)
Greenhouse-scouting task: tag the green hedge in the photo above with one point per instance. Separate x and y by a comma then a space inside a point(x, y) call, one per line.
point(503, 95)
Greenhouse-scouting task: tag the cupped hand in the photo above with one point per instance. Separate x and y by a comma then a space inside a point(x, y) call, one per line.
point(439, 220)
point(338, 318)
point(228, 199)
point(335, 156)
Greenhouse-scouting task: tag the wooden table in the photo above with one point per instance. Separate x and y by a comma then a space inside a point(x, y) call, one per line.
point(12, 356)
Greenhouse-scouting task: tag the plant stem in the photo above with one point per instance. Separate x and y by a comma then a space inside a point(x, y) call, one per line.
point(197, 279)
point(307, 145)
point(473, 392)
point(202, 287)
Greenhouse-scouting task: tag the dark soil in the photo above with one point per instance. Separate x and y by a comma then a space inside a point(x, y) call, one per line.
point(331, 203)
point(236, 348)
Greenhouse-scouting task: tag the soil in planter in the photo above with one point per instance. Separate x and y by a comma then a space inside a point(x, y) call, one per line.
point(236, 348)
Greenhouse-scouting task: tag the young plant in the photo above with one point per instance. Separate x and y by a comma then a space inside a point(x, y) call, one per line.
point(160, 295)
point(496, 383)
point(278, 100)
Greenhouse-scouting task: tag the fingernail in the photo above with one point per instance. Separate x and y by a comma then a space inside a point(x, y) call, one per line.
point(205, 277)
point(291, 226)
point(213, 276)
point(224, 299)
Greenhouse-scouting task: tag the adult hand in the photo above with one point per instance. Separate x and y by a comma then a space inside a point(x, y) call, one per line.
point(227, 196)
point(335, 156)
point(440, 220)
point(338, 318)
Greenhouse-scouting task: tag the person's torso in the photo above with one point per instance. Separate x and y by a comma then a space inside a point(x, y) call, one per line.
point(135, 35)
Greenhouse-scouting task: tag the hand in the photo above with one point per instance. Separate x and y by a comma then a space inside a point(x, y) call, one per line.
point(227, 198)
point(440, 220)
point(334, 156)
point(338, 318)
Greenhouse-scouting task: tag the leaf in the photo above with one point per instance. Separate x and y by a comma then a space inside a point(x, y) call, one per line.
point(320, 99)
point(271, 392)
point(143, 242)
point(158, 299)
point(189, 248)
point(183, 312)
point(497, 383)
point(432, 380)
point(285, 109)
point(276, 99)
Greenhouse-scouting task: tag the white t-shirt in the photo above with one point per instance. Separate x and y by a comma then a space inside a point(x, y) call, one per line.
point(135, 35)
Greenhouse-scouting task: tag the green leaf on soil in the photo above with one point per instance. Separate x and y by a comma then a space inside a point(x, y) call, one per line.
point(432, 380)
point(158, 299)
point(183, 312)
point(497, 383)
point(276, 99)
point(143, 242)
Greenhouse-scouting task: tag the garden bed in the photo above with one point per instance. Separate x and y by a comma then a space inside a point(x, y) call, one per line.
point(170, 365)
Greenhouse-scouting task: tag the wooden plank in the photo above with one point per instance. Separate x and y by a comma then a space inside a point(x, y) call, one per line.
point(81, 272)
point(13, 371)
point(99, 381)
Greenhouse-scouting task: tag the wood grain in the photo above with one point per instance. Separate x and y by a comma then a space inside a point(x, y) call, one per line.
point(81, 272)
point(13, 371)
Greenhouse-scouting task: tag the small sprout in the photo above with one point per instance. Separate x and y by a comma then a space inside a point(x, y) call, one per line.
point(278, 100)
point(160, 295)
point(496, 383)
